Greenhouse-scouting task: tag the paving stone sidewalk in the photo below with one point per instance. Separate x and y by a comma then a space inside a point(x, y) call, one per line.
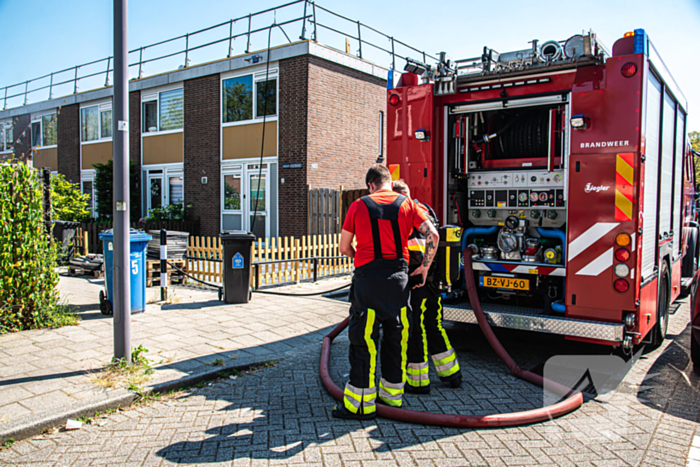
point(46, 374)
point(281, 416)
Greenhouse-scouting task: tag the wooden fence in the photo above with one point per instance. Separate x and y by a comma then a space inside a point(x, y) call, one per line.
point(324, 211)
point(280, 259)
point(94, 229)
point(348, 197)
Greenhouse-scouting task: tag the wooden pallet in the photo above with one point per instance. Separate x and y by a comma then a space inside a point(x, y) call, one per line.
point(174, 276)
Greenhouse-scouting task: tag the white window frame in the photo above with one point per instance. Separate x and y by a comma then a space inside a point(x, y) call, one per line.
point(259, 75)
point(101, 107)
point(89, 176)
point(7, 124)
point(243, 167)
point(176, 169)
point(153, 95)
point(39, 118)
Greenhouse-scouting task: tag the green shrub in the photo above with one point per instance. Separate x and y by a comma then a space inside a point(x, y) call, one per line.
point(104, 195)
point(172, 212)
point(28, 295)
point(67, 202)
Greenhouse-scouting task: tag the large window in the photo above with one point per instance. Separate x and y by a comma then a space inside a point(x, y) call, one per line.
point(6, 136)
point(163, 111)
point(240, 103)
point(44, 131)
point(95, 123)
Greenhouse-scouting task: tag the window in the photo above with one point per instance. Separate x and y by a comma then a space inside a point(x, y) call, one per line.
point(163, 111)
point(6, 140)
point(267, 98)
point(44, 131)
point(232, 192)
point(176, 193)
point(95, 123)
point(171, 111)
point(239, 101)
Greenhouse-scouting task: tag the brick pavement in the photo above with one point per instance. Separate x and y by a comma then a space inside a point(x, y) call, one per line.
point(281, 416)
point(48, 371)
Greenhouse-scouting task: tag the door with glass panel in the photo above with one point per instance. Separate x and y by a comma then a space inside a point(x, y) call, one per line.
point(154, 194)
point(258, 205)
point(175, 194)
point(232, 202)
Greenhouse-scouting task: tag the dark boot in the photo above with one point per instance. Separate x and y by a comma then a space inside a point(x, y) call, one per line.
point(339, 411)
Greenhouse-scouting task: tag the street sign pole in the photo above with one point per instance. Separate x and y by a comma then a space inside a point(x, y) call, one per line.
point(120, 130)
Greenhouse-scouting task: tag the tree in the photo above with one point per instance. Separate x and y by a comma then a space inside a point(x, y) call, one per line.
point(695, 142)
point(67, 202)
point(238, 102)
point(104, 176)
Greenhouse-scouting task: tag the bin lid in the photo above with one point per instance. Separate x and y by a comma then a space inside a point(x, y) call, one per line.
point(237, 235)
point(134, 236)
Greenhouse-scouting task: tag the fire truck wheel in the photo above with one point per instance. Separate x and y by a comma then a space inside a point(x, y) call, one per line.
point(662, 305)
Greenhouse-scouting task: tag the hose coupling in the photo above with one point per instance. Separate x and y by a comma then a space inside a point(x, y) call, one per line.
point(627, 343)
point(629, 320)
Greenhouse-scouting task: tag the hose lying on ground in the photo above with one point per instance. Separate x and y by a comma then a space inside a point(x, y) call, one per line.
point(571, 402)
point(260, 291)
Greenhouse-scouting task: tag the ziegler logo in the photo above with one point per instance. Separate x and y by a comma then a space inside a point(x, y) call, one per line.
point(590, 187)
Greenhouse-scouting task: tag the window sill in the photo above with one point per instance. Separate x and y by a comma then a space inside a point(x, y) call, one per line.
point(269, 119)
point(157, 133)
point(39, 148)
point(97, 141)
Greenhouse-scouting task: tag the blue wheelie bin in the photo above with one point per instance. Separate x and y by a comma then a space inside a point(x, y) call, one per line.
point(137, 265)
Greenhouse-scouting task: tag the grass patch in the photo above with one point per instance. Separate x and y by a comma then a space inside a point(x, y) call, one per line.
point(216, 362)
point(262, 366)
point(120, 373)
point(7, 444)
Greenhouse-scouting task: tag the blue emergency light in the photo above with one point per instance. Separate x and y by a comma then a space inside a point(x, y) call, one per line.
point(641, 42)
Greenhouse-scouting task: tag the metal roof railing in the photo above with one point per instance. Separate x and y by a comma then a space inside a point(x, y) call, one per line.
point(201, 46)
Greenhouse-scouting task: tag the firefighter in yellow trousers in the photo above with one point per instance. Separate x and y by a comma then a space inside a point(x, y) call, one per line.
point(428, 336)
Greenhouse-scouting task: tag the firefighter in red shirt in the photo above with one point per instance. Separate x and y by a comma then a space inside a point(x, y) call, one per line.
point(379, 296)
point(428, 336)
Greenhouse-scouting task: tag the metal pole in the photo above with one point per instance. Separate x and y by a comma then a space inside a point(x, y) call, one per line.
point(26, 87)
point(359, 36)
point(46, 174)
point(393, 57)
point(140, 62)
point(230, 39)
point(163, 265)
point(247, 47)
point(51, 87)
point(75, 82)
point(121, 274)
point(109, 61)
point(187, 47)
point(4, 105)
point(315, 269)
point(303, 23)
point(314, 13)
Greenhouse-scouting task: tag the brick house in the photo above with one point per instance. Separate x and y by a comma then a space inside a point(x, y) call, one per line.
point(196, 135)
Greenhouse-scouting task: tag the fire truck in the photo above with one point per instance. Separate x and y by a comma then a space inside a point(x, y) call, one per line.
point(568, 169)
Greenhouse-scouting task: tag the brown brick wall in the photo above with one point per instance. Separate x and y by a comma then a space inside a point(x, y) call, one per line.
point(202, 153)
point(292, 112)
point(343, 125)
point(21, 124)
point(135, 142)
point(68, 140)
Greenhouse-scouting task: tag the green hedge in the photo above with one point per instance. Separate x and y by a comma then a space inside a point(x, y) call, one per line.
point(28, 295)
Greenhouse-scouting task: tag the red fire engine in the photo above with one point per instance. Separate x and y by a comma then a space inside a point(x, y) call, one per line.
point(569, 171)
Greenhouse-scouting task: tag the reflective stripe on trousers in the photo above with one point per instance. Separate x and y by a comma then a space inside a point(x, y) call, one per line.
point(418, 374)
point(446, 363)
point(391, 393)
point(359, 400)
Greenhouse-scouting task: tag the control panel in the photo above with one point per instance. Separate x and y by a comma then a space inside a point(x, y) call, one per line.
point(536, 195)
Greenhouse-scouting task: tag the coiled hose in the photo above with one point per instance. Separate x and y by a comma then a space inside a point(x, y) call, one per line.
point(572, 400)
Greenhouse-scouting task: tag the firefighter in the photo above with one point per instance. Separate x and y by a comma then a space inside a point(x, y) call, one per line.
point(379, 296)
point(428, 336)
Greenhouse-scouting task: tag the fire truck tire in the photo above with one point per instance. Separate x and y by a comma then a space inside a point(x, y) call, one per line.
point(662, 305)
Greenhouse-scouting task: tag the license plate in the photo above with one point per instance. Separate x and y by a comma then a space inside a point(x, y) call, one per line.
point(504, 283)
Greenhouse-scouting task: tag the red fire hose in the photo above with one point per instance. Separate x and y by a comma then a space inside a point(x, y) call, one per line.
point(571, 402)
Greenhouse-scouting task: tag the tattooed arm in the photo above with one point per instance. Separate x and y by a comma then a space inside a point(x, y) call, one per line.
point(431, 242)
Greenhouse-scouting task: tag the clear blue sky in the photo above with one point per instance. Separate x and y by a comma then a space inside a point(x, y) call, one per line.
point(41, 36)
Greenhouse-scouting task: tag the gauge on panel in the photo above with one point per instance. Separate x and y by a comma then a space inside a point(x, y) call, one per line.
point(534, 196)
point(543, 196)
point(522, 197)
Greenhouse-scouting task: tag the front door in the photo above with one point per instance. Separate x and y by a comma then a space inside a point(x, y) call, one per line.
point(154, 197)
point(245, 199)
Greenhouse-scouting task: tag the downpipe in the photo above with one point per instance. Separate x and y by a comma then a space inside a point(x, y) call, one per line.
point(571, 400)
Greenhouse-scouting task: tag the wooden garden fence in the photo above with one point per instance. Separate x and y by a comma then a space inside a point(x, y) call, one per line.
point(276, 260)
